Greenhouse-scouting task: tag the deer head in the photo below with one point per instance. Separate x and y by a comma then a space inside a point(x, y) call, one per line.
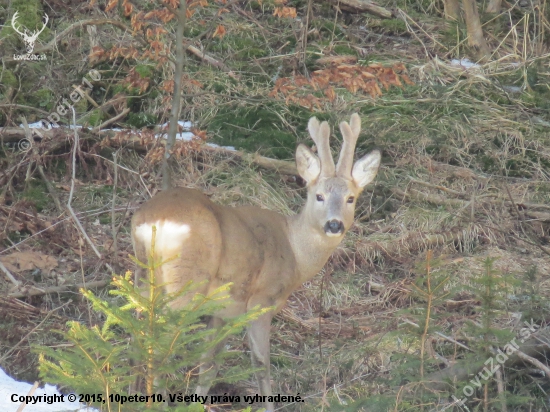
point(29, 38)
point(332, 191)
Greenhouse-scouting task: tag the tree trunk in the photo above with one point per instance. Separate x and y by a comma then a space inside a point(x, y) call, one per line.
point(473, 26)
point(493, 6)
point(176, 100)
point(452, 9)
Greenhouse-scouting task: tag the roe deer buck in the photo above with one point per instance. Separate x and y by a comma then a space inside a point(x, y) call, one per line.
point(267, 256)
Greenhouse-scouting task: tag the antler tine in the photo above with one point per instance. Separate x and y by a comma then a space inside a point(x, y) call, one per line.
point(13, 20)
point(44, 25)
point(350, 133)
point(320, 133)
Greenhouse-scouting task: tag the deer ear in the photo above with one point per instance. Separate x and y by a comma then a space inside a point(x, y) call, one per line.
point(355, 124)
point(365, 169)
point(308, 164)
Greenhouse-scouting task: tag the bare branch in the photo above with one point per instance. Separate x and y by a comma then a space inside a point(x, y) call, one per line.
point(69, 207)
point(9, 275)
point(111, 120)
point(535, 362)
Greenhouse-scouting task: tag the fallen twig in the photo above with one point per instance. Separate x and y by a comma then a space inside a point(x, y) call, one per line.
point(9, 275)
point(111, 120)
point(212, 61)
point(535, 362)
point(430, 198)
point(33, 291)
point(454, 341)
point(443, 188)
point(29, 394)
point(362, 6)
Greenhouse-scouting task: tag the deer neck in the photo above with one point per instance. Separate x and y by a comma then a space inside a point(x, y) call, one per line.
point(311, 247)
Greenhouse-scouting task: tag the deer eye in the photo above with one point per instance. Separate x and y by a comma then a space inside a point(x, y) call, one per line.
point(351, 199)
point(320, 198)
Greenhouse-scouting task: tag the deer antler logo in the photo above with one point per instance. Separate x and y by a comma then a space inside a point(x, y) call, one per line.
point(29, 37)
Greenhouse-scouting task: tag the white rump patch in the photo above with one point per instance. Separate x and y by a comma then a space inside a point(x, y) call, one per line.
point(169, 238)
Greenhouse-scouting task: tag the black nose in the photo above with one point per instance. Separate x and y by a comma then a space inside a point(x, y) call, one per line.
point(334, 226)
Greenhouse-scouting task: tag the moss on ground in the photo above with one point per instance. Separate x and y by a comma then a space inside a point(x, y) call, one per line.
point(37, 194)
point(258, 128)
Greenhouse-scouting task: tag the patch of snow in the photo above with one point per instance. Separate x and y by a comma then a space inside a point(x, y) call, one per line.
point(34, 125)
point(185, 124)
point(464, 63)
point(10, 388)
point(39, 125)
point(185, 136)
point(512, 89)
point(223, 147)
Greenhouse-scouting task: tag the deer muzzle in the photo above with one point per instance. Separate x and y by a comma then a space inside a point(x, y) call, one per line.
point(334, 227)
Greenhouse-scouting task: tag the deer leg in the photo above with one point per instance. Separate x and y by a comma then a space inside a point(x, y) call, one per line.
point(209, 368)
point(258, 338)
